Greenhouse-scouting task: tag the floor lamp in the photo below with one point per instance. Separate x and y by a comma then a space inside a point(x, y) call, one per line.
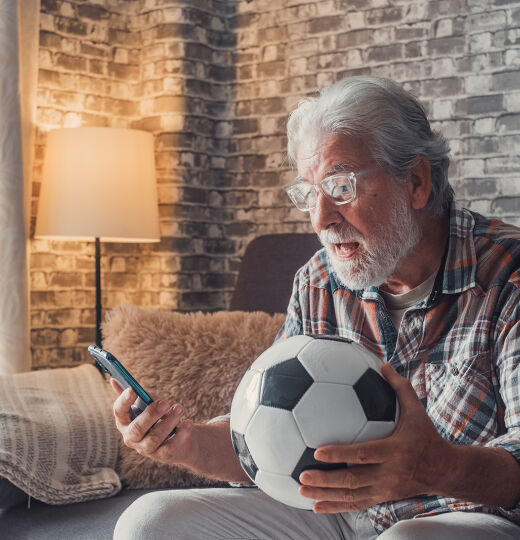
point(98, 184)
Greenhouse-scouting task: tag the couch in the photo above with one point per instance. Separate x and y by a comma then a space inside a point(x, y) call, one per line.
point(262, 291)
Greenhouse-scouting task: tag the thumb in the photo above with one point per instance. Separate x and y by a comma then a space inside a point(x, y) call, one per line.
point(402, 386)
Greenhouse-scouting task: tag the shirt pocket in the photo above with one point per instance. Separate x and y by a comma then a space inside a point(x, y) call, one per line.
point(460, 399)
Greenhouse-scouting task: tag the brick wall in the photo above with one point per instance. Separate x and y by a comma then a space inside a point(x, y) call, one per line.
point(214, 81)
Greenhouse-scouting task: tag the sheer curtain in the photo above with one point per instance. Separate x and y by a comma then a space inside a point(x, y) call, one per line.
point(19, 22)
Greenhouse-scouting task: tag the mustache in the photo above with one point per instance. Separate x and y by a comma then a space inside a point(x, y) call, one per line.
point(344, 233)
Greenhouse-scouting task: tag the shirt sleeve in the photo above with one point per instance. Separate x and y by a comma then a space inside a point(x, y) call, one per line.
point(221, 418)
point(507, 369)
point(293, 324)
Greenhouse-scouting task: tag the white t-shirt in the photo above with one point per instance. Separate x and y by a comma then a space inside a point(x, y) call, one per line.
point(397, 304)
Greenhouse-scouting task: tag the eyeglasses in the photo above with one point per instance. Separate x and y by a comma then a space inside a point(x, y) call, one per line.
point(340, 188)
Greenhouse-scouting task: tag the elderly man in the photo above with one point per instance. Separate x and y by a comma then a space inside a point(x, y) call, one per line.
point(430, 288)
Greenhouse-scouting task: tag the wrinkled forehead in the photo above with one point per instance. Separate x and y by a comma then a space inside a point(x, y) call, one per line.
point(320, 154)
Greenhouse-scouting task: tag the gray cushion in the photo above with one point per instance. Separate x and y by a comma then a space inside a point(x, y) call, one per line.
point(82, 521)
point(10, 495)
point(266, 274)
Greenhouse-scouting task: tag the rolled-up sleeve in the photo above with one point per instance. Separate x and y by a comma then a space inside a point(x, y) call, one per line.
point(507, 370)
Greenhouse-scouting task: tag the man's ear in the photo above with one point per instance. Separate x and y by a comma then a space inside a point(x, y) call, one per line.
point(420, 183)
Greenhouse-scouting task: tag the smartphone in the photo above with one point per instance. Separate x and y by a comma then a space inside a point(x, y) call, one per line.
point(108, 363)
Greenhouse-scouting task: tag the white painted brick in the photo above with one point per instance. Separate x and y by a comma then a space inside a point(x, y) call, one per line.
point(268, 125)
point(512, 57)
point(298, 66)
point(353, 59)
point(512, 102)
point(47, 22)
point(45, 59)
point(325, 79)
point(297, 30)
point(172, 122)
point(169, 14)
point(480, 42)
point(476, 84)
point(67, 10)
point(168, 300)
point(484, 125)
point(441, 66)
point(355, 20)
point(482, 206)
point(442, 109)
point(444, 28)
point(121, 56)
point(473, 167)
point(270, 53)
point(416, 11)
point(146, 106)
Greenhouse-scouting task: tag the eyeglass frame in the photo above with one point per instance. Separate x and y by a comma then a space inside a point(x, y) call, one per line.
point(351, 176)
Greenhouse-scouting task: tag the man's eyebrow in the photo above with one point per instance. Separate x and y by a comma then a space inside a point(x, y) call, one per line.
point(341, 167)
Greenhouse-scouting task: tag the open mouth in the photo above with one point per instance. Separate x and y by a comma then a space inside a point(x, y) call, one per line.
point(345, 250)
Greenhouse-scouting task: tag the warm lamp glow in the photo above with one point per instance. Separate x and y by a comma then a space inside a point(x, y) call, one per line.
point(99, 182)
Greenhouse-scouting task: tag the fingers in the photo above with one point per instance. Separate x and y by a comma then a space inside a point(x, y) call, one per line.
point(338, 500)
point(360, 453)
point(115, 386)
point(148, 442)
point(350, 478)
point(122, 404)
point(175, 447)
point(328, 507)
point(151, 428)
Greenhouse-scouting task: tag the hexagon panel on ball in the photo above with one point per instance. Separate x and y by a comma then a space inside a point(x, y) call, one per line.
point(329, 413)
point(274, 440)
point(326, 361)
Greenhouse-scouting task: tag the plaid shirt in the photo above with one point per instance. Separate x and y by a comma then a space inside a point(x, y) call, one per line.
point(460, 348)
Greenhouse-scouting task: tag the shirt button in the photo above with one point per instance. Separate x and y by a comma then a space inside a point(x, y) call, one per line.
point(454, 370)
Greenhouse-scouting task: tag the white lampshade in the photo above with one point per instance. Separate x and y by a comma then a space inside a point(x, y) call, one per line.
point(99, 182)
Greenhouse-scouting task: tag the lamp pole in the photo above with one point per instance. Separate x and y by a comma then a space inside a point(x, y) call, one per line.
point(98, 292)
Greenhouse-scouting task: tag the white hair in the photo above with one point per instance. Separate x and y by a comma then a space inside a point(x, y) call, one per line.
point(387, 118)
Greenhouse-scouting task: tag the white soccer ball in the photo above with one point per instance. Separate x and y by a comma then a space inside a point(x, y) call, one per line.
point(302, 393)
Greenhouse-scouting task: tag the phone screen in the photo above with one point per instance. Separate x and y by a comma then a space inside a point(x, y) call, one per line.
point(109, 364)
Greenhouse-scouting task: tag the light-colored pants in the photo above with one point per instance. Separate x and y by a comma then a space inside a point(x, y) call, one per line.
point(249, 514)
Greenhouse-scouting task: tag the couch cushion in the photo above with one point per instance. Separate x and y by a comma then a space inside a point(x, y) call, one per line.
point(58, 442)
point(85, 521)
point(196, 359)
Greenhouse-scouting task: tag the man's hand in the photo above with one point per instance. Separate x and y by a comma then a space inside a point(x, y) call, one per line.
point(203, 448)
point(407, 463)
point(148, 433)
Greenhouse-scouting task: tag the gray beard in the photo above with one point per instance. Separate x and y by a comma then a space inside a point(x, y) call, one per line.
point(373, 264)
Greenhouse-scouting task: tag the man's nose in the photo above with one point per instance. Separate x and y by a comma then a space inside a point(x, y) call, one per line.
point(325, 213)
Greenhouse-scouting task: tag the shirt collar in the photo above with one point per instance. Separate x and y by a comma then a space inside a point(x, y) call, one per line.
point(460, 266)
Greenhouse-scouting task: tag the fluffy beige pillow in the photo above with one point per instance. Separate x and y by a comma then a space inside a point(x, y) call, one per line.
point(196, 359)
